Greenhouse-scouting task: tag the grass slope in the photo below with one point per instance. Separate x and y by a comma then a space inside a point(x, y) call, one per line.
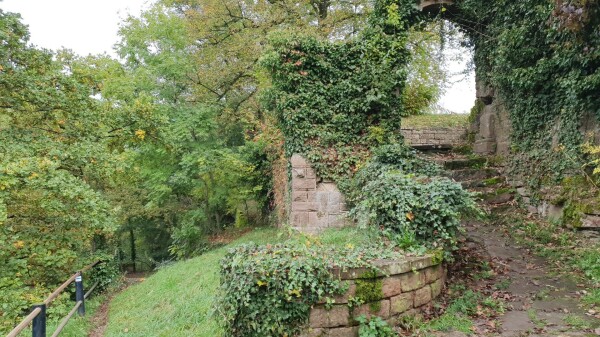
point(178, 300)
point(436, 121)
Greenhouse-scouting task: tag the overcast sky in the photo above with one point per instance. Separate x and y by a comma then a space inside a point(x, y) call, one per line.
point(85, 26)
point(90, 27)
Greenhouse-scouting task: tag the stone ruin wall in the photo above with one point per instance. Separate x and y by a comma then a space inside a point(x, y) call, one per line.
point(492, 126)
point(434, 137)
point(492, 130)
point(406, 289)
point(316, 204)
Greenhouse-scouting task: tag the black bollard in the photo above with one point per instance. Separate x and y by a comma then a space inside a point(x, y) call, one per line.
point(79, 294)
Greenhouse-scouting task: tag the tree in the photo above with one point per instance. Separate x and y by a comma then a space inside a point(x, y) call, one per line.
point(54, 155)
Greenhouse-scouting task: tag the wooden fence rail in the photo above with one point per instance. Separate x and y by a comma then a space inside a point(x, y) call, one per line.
point(37, 317)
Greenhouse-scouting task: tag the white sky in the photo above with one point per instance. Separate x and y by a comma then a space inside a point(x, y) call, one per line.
point(85, 26)
point(91, 26)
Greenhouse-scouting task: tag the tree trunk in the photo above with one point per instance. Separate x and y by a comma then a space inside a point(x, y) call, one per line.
point(132, 243)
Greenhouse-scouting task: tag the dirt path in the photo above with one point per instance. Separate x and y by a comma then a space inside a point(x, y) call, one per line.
point(100, 318)
point(539, 300)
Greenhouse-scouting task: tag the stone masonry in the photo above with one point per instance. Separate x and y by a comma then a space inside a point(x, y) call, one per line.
point(316, 204)
point(492, 127)
point(442, 138)
point(407, 288)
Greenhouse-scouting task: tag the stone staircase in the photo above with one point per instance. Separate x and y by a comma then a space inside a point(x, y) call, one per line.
point(539, 302)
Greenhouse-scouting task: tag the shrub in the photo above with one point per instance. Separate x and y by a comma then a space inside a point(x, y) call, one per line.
point(398, 192)
point(388, 158)
point(268, 290)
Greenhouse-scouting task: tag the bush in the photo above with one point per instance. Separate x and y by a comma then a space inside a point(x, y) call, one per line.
point(431, 208)
point(388, 158)
point(268, 290)
point(399, 193)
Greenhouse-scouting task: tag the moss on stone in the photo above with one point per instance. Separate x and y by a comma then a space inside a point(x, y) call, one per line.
point(492, 181)
point(369, 289)
point(476, 110)
point(579, 198)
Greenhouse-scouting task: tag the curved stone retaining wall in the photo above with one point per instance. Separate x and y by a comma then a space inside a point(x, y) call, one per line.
point(400, 288)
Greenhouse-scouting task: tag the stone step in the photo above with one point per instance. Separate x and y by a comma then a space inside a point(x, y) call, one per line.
point(464, 163)
point(472, 174)
point(476, 183)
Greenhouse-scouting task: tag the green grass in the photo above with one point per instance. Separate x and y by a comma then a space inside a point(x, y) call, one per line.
point(436, 121)
point(178, 299)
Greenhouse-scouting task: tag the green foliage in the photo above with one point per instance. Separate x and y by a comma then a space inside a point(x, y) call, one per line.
point(387, 159)
point(277, 284)
point(325, 95)
point(374, 327)
point(542, 59)
point(56, 161)
point(398, 192)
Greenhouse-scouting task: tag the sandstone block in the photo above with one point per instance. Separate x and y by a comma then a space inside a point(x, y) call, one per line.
point(320, 317)
point(315, 220)
point(396, 267)
point(322, 199)
point(304, 184)
point(327, 187)
point(421, 262)
point(391, 286)
point(484, 147)
point(590, 221)
point(411, 281)
point(310, 173)
point(300, 196)
point(436, 288)
point(298, 161)
point(365, 309)
point(299, 219)
point(317, 332)
point(336, 198)
point(432, 274)
point(401, 303)
point(344, 332)
point(299, 206)
point(422, 296)
point(298, 173)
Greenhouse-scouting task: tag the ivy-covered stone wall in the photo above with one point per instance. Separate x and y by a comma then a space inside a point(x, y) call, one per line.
point(538, 70)
point(402, 288)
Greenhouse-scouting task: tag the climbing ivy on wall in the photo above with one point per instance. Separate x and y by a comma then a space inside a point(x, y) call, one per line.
point(543, 59)
point(335, 100)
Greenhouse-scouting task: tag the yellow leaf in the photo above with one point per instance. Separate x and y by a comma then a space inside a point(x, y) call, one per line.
point(410, 216)
point(141, 134)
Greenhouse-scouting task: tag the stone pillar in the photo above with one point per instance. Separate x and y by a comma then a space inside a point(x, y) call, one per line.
point(492, 127)
point(316, 204)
